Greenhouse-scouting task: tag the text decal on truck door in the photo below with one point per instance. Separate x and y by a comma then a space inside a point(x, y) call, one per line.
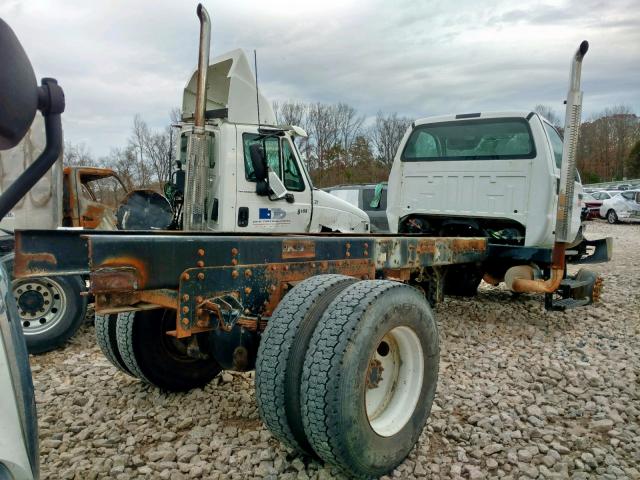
point(270, 216)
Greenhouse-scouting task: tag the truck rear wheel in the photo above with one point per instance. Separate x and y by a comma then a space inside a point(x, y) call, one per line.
point(462, 280)
point(106, 337)
point(51, 310)
point(370, 376)
point(281, 356)
point(157, 358)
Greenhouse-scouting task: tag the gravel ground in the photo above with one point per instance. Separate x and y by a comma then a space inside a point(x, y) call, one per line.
point(522, 394)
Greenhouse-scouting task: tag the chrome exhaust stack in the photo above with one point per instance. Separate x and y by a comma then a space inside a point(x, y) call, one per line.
point(194, 216)
point(521, 278)
point(571, 130)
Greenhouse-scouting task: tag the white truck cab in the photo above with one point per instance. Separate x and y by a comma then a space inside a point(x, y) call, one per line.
point(495, 174)
point(223, 193)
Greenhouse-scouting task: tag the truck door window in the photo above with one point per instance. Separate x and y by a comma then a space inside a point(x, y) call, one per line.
point(292, 176)
point(556, 143)
point(271, 147)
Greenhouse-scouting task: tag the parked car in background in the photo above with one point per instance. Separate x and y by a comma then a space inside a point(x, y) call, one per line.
point(371, 197)
point(605, 194)
point(622, 207)
point(591, 208)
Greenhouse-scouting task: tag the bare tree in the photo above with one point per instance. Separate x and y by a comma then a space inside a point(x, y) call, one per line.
point(386, 135)
point(290, 113)
point(123, 162)
point(349, 124)
point(549, 113)
point(605, 142)
point(323, 129)
point(76, 155)
point(138, 142)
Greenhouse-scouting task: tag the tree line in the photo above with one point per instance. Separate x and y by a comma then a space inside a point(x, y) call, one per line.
point(344, 147)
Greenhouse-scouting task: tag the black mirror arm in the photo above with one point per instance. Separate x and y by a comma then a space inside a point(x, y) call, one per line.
point(51, 104)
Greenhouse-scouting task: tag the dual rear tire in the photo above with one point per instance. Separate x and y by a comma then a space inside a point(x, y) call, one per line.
point(137, 344)
point(365, 387)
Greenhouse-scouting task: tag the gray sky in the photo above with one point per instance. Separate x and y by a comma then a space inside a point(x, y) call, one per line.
point(418, 58)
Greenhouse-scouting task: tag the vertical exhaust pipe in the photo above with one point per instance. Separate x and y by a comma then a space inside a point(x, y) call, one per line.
point(203, 64)
point(522, 280)
point(195, 208)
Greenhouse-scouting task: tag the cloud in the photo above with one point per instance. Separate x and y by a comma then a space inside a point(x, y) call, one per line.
point(116, 58)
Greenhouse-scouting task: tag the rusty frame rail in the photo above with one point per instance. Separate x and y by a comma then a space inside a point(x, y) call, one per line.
point(182, 270)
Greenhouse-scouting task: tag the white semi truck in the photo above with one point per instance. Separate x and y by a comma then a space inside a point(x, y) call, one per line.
point(227, 193)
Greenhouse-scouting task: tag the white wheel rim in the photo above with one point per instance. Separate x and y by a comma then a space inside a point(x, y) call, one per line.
point(391, 395)
point(41, 304)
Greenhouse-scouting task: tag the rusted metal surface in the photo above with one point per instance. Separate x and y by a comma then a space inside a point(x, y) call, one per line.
point(397, 274)
point(374, 373)
point(117, 279)
point(398, 252)
point(28, 263)
point(127, 266)
point(165, 297)
point(296, 248)
point(81, 207)
point(250, 292)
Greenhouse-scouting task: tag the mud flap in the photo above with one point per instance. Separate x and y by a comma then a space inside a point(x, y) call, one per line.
point(591, 251)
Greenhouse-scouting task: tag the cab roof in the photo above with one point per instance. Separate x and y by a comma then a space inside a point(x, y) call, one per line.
point(474, 116)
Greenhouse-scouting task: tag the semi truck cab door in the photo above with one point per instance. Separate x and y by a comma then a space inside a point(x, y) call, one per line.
point(256, 213)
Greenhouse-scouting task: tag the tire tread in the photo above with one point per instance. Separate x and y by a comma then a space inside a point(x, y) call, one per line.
point(108, 343)
point(323, 362)
point(275, 347)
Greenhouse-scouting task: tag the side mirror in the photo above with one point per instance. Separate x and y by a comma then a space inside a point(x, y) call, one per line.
point(260, 169)
point(276, 186)
point(18, 88)
point(20, 97)
point(259, 162)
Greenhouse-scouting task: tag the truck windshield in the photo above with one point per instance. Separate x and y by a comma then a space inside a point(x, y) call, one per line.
point(484, 139)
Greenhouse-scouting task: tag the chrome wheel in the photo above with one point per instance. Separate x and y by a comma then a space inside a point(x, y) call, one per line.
point(394, 381)
point(41, 304)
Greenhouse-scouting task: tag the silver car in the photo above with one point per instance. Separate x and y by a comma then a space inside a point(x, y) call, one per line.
point(622, 207)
